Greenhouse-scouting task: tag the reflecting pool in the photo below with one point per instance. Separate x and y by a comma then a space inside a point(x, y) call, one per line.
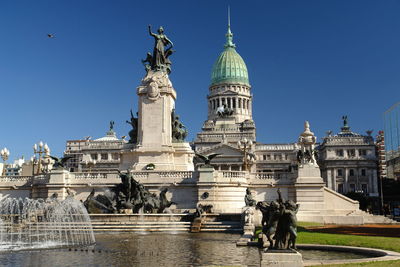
point(132, 249)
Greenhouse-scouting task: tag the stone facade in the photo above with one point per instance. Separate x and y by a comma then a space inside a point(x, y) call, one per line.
point(99, 155)
point(348, 162)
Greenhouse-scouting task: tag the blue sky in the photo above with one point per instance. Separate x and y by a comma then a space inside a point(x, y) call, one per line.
point(307, 60)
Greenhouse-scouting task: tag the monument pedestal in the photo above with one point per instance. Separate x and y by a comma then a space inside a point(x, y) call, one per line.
point(309, 188)
point(281, 258)
point(154, 143)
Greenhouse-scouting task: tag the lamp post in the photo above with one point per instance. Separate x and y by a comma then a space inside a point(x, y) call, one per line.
point(245, 145)
point(40, 149)
point(5, 153)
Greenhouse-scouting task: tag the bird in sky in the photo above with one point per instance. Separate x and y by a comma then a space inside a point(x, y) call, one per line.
point(50, 35)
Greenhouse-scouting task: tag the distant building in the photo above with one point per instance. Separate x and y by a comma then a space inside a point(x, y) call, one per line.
point(13, 169)
point(348, 162)
point(99, 155)
point(392, 141)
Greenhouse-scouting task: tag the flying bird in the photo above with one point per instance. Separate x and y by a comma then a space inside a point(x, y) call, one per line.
point(207, 159)
point(50, 35)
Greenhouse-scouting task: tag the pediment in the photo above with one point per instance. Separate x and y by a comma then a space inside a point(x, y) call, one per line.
point(225, 150)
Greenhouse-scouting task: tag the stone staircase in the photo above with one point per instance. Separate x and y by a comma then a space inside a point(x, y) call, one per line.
point(229, 223)
point(141, 226)
point(141, 222)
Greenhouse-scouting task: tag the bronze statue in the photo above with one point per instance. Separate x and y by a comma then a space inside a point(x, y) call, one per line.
point(207, 159)
point(179, 131)
point(279, 222)
point(129, 194)
point(112, 125)
point(248, 199)
point(344, 118)
point(159, 59)
point(133, 133)
point(59, 163)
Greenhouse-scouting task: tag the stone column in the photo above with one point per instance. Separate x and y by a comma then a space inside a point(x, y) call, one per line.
point(329, 179)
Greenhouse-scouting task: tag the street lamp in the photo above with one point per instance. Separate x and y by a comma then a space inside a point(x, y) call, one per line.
point(5, 153)
point(245, 145)
point(40, 149)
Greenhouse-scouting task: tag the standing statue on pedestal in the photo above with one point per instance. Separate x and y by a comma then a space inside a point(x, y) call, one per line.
point(307, 153)
point(279, 222)
point(160, 58)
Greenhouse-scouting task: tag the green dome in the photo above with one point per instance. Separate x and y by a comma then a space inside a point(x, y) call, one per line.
point(230, 66)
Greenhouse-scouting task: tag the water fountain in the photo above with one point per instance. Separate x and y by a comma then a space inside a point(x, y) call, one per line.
point(37, 223)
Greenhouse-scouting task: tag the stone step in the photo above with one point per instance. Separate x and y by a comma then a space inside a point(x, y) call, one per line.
point(219, 226)
point(222, 222)
point(137, 223)
point(220, 230)
point(140, 226)
point(143, 230)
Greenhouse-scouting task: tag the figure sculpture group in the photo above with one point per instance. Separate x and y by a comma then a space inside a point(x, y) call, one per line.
point(128, 195)
point(159, 60)
point(223, 111)
point(134, 132)
point(179, 131)
point(279, 223)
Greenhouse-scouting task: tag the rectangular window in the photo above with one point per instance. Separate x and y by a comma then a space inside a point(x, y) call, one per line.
point(264, 157)
point(339, 152)
point(363, 152)
point(351, 153)
point(363, 172)
point(339, 172)
point(275, 157)
point(115, 156)
point(104, 156)
point(93, 156)
point(351, 173)
point(268, 156)
point(340, 188)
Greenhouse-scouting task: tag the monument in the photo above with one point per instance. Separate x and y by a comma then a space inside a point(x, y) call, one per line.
point(279, 227)
point(157, 137)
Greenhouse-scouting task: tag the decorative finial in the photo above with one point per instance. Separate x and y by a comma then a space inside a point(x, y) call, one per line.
point(229, 17)
point(229, 35)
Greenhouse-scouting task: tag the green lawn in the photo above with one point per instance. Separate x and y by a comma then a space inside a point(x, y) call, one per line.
point(308, 237)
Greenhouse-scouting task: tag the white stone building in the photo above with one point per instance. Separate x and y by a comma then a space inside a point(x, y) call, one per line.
point(348, 162)
point(99, 155)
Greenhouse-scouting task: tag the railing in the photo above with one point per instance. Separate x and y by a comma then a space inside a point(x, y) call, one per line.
point(89, 175)
point(106, 145)
point(41, 179)
point(163, 174)
point(276, 147)
point(275, 176)
point(233, 174)
point(15, 180)
point(176, 174)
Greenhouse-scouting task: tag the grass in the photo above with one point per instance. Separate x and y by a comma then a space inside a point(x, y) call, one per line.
point(388, 243)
